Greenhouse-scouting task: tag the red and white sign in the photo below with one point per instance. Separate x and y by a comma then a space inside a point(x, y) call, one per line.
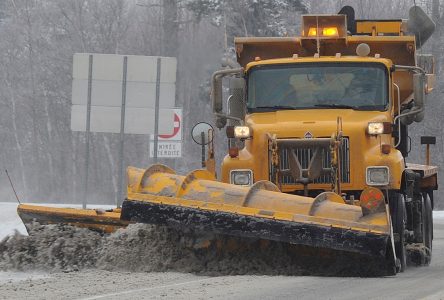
point(170, 145)
point(177, 133)
point(167, 149)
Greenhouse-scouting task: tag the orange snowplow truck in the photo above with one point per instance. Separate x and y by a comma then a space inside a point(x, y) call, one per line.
point(318, 140)
point(329, 111)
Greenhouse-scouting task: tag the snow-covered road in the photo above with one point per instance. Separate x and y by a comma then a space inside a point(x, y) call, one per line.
point(415, 283)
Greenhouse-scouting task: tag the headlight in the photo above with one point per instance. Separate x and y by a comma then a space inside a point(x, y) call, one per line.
point(377, 176)
point(375, 128)
point(242, 132)
point(241, 177)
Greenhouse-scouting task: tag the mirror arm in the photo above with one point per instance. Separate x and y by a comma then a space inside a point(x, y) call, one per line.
point(412, 112)
point(418, 104)
point(410, 68)
point(399, 113)
point(227, 62)
point(229, 117)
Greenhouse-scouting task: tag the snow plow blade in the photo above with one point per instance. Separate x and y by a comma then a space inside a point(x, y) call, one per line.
point(199, 203)
point(104, 221)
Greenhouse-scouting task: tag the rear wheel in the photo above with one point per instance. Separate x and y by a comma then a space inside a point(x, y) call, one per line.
point(397, 212)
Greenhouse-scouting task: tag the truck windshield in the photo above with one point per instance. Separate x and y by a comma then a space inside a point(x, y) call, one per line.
point(360, 86)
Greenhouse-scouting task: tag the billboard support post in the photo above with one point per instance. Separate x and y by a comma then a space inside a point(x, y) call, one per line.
point(122, 135)
point(88, 124)
point(156, 110)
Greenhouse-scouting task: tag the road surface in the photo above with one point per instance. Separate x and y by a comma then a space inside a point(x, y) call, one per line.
point(415, 283)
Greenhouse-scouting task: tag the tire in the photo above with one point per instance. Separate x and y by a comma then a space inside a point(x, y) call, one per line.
point(398, 216)
point(427, 221)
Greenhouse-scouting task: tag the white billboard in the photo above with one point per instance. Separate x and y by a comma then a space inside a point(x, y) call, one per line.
point(107, 119)
point(107, 82)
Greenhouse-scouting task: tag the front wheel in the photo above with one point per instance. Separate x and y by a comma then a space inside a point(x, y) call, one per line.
point(398, 216)
point(427, 226)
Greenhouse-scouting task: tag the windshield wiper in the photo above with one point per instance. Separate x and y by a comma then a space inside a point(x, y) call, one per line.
point(360, 107)
point(332, 105)
point(274, 107)
point(336, 106)
point(371, 107)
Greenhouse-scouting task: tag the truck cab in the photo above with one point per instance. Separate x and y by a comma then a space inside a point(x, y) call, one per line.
point(302, 98)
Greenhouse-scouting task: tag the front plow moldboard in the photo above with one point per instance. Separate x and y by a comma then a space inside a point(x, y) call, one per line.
point(218, 222)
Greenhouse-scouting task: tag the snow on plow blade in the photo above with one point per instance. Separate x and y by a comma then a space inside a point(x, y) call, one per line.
point(95, 219)
point(198, 202)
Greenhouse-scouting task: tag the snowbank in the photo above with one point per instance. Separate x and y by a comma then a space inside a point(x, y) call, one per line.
point(9, 220)
point(438, 215)
point(8, 277)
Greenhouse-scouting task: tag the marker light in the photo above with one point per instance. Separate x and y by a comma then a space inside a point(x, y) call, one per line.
point(327, 31)
point(330, 31)
point(312, 32)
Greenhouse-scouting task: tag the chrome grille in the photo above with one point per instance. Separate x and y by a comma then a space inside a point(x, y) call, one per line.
point(305, 154)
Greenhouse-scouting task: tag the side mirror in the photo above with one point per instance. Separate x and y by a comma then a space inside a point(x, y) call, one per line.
point(427, 63)
point(236, 102)
point(216, 94)
point(201, 133)
point(419, 89)
point(419, 94)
